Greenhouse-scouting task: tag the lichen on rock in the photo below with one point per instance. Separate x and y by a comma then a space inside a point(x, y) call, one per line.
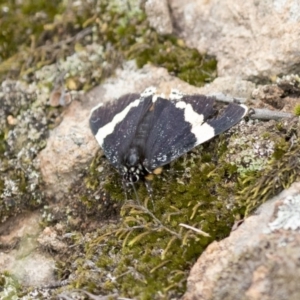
point(24, 129)
point(288, 214)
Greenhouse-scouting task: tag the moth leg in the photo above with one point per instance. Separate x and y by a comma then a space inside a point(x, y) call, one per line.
point(149, 188)
point(124, 184)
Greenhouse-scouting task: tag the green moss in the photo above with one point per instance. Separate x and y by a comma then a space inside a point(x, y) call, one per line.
point(139, 250)
point(281, 171)
point(280, 149)
point(150, 241)
point(112, 34)
point(188, 64)
point(31, 17)
point(10, 288)
point(121, 32)
point(147, 253)
point(206, 189)
point(297, 110)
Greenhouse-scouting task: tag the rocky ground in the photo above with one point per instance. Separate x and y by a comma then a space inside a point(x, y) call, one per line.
point(66, 230)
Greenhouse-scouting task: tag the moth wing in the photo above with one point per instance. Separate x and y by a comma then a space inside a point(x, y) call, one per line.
point(114, 124)
point(103, 114)
point(229, 117)
point(183, 124)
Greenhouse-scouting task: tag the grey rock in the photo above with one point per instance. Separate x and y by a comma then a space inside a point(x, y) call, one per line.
point(23, 259)
point(252, 39)
point(159, 16)
point(259, 260)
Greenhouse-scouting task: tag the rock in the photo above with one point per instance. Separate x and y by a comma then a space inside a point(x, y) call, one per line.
point(260, 260)
point(230, 86)
point(71, 145)
point(271, 95)
point(49, 240)
point(22, 258)
point(69, 148)
point(249, 38)
point(284, 95)
point(159, 16)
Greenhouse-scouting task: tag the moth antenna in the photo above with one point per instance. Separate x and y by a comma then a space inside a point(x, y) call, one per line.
point(136, 194)
point(125, 189)
point(149, 187)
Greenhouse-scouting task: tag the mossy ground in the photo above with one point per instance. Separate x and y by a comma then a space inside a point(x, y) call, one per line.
point(135, 250)
point(145, 253)
point(72, 48)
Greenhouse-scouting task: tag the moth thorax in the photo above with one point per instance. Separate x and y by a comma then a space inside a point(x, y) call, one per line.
point(132, 158)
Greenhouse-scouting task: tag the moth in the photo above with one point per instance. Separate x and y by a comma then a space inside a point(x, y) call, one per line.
point(140, 133)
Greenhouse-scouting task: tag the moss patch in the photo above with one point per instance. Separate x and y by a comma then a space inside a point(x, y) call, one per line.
point(87, 43)
point(129, 248)
point(122, 31)
point(147, 253)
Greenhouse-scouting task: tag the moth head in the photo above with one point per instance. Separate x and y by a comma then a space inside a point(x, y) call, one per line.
point(133, 174)
point(130, 165)
point(133, 169)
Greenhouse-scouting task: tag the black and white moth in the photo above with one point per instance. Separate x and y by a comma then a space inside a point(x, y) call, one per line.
point(142, 132)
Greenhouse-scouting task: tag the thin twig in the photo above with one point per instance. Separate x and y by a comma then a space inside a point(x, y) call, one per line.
point(144, 209)
point(195, 229)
